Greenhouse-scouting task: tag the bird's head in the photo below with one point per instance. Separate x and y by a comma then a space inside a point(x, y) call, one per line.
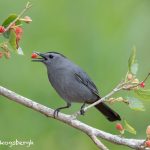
point(49, 58)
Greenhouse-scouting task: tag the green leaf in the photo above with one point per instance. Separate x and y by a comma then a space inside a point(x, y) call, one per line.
point(132, 66)
point(129, 128)
point(7, 21)
point(12, 39)
point(132, 57)
point(135, 104)
point(143, 94)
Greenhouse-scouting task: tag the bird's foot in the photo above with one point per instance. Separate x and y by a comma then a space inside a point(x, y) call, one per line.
point(82, 112)
point(56, 112)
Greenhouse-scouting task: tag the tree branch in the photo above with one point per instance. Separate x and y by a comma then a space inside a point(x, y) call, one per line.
point(68, 119)
point(98, 142)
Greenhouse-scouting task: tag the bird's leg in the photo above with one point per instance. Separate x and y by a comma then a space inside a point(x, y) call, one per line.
point(58, 109)
point(82, 109)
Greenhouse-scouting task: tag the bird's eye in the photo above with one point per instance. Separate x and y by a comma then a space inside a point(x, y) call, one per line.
point(51, 56)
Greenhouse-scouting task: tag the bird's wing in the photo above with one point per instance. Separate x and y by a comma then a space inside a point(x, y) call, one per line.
point(83, 78)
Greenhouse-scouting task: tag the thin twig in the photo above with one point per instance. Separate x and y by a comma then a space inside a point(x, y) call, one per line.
point(136, 85)
point(28, 5)
point(146, 77)
point(102, 99)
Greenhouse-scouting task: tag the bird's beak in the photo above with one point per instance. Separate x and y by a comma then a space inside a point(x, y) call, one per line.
point(41, 58)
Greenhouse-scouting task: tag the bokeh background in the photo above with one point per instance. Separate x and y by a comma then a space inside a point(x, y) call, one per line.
point(98, 35)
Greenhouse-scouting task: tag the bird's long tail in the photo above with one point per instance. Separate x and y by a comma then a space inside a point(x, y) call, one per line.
point(110, 114)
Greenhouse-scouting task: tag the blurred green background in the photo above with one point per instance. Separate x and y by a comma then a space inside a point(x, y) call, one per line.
point(96, 34)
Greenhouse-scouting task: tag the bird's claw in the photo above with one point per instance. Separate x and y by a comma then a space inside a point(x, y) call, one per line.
point(56, 112)
point(82, 112)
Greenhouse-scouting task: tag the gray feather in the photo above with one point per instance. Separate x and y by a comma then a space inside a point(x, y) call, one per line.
point(83, 78)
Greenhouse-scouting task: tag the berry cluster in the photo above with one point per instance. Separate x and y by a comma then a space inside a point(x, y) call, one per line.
point(134, 80)
point(13, 32)
point(18, 33)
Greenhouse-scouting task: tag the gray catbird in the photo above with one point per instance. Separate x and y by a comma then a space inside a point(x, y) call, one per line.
point(72, 83)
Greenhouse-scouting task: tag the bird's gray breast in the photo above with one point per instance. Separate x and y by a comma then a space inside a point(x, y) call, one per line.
point(68, 87)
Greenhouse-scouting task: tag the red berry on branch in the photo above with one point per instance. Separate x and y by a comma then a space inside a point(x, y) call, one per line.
point(34, 55)
point(18, 37)
point(147, 143)
point(18, 30)
point(2, 29)
point(142, 84)
point(1, 54)
point(119, 127)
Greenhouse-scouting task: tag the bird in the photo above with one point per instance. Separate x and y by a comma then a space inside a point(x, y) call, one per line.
point(72, 84)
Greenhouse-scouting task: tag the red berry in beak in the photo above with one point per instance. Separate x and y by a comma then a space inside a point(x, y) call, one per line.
point(34, 55)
